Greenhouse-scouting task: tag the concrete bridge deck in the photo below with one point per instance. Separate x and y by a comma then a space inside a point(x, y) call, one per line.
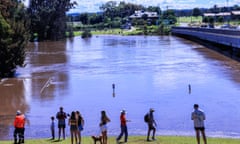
point(227, 37)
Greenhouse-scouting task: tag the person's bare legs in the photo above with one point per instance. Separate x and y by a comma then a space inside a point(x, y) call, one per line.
point(76, 137)
point(71, 137)
point(79, 136)
point(198, 136)
point(59, 133)
point(204, 137)
point(64, 133)
point(104, 137)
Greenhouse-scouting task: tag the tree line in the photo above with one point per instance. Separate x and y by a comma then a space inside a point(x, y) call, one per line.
point(112, 14)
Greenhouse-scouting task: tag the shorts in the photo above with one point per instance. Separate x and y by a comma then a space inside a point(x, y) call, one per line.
point(61, 125)
point(103, 128)
point(199, 128)
point(73, 128)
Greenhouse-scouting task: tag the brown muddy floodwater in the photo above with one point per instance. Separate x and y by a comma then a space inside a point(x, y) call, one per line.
point(149, 72)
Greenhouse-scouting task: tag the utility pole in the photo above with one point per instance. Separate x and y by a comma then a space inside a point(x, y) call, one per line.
point(228, 10)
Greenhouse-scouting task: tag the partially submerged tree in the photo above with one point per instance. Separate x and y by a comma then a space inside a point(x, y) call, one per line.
point(48, 18)
point(13, 36)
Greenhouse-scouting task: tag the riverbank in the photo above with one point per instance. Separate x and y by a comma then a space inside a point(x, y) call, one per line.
point(138, 140)
point(132, 31)
point(148, 30)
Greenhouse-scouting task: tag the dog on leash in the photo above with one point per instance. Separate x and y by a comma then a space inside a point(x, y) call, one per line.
point(96, 139)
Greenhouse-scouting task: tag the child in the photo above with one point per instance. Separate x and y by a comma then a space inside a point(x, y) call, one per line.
point(52, 127)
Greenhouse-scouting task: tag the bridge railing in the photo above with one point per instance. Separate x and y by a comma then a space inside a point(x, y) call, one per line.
point(232, 32)
point(229, 37)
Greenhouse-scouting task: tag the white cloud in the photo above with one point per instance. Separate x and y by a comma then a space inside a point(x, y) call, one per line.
point(93, 5)
point(175, 4)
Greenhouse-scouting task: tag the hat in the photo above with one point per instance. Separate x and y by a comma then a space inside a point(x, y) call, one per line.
point(123, 111)
point(18, 112)
point(152, 110)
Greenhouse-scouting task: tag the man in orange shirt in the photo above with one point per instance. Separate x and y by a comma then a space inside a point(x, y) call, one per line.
point(124, 129)
point(19, 124)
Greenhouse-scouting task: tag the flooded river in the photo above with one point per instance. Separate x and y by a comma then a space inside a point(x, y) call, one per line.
point(148, 72)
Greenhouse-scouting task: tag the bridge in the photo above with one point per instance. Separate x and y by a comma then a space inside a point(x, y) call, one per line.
point(227, 40)
point(228, 37)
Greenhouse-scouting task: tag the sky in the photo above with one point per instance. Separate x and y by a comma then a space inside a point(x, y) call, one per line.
point(93, 5)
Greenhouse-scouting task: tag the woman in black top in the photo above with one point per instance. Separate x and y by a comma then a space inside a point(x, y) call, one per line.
point(73, 126)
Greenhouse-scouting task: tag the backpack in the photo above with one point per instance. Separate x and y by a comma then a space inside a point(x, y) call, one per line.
point(146, 118)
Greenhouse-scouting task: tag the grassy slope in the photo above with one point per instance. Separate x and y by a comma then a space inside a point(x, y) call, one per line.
point(190, 19)
point(108, 32)
point(139, 140)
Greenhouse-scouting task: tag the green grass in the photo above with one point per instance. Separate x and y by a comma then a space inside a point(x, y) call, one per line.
point(118, 31)
point(189, 19)
point(101, 32)
point(138, 140)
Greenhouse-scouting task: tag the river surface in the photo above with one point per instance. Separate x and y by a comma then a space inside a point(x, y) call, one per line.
point(148, 72)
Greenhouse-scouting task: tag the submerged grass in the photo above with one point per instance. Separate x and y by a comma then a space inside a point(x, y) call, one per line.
point(137, 140)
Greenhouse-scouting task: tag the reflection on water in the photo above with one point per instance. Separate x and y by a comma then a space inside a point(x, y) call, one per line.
point(12, 98)
point(147, 71)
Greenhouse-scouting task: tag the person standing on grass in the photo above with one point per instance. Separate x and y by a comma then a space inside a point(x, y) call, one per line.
point(73, 127)
point(61, 116)
point(80, 122)
point(124, 129)
point(19, 125)
point(198, 117)
point(52, 127)
point(103, 126)
point(151, 124)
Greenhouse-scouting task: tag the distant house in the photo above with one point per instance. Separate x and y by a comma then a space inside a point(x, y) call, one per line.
point(209, 14)
point(236, 15)
point(225, 15)
point(151, 16)
point(139, 14)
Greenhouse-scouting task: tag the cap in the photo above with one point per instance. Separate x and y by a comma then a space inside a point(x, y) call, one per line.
point(123, 111)
point(18, 112)
point(152, 110)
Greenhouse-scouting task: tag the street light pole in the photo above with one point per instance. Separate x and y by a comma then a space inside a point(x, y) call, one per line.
point(228, 18)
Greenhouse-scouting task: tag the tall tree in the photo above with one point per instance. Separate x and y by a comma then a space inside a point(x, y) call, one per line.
point(84, 18)
point(111, 9)
point(48, 18)
point(13, 36)
point(196, 12)
point(169, 16)
point(154, 9)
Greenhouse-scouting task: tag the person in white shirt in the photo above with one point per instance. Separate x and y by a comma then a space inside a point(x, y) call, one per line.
point(198, 118)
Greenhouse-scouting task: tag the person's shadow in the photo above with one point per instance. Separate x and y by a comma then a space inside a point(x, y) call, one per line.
point(54, 140)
